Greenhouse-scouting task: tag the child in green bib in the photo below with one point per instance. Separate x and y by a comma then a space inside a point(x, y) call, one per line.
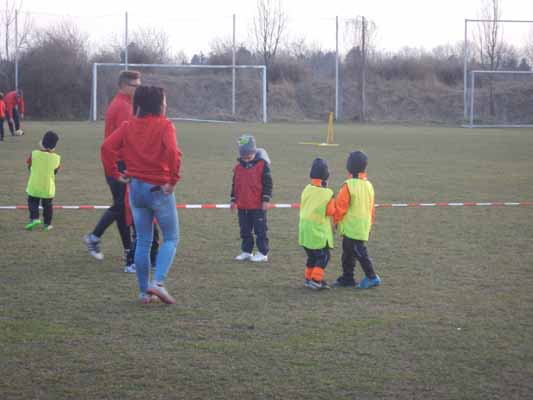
point(43, 165)
point(315, 234)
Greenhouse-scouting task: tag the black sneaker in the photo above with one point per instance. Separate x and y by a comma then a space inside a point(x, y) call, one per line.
point(93, 246)
point(341, 281)
point(315, 285)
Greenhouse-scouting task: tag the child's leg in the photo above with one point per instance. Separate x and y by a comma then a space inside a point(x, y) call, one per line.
point(1, 128)
point(48, 211)
point(246, 226)
point(10, 125)
point(33, 207)
point(362, 255)
point(321, 261)
point(260, 228)
point(310, 263)
point(348, 260)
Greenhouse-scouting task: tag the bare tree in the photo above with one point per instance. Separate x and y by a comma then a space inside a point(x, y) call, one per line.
point(268, 29)
point(490, 42)
point(529, 46)
point(361, 34)
point(7, 27)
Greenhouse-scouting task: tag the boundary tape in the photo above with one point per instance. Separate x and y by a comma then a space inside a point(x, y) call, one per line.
point(297, 205)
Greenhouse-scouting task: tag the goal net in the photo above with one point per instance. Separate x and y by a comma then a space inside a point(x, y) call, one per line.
point(501, 99)
point(194, 92)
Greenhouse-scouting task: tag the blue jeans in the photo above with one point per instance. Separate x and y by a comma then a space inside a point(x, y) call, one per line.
point(145, 205)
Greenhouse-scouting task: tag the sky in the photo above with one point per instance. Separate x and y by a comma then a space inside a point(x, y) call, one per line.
point(193, 25)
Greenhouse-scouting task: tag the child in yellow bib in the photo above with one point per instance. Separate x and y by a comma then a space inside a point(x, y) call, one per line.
point(315, 234)
point(43, 165)
point(355, 215)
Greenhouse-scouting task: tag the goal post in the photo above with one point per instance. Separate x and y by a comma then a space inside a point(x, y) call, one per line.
point(509, 92)
point(190, 83)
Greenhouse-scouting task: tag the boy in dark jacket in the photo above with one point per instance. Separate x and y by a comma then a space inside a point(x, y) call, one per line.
point(251, 192)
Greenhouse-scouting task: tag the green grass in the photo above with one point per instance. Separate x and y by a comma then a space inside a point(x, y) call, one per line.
point(452, 320)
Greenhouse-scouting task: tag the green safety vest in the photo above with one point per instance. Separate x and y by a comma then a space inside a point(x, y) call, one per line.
point(42, 177)
point(357, 221)
point(315, 226)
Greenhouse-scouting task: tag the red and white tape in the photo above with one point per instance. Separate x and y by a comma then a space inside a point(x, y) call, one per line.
point(296, 205)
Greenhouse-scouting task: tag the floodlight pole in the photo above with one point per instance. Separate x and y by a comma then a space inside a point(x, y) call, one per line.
point(126, 41)
point(336, 68)
point(233, 71)
point(16, 49)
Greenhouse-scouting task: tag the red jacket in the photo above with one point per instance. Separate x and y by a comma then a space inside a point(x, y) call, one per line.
point(11, 101)
point(148, 147)
point(248, 186)
point(119, 110)
point(2, 109)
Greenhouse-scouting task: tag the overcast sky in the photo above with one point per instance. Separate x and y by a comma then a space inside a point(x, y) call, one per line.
point(193, 25)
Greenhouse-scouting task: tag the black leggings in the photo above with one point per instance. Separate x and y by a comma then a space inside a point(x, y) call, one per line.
point(48, 209)
point(115, 213)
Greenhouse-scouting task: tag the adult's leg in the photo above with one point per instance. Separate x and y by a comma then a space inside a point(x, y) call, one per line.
point(48, 211)
point(115, 213)
point(164, 206)
point(246, 226)
point(260, 229)
point(16, 118)
point(142, 217)
point(10, 124)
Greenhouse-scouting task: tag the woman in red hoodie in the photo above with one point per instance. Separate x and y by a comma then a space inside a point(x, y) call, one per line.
point(147, 144)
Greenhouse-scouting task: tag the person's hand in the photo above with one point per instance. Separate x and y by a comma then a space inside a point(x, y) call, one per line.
point(265, 205)
point(232, 206)
point(123, 178)
point(167, 188)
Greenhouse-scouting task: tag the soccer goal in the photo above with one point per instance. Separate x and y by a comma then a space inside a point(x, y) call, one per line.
point(501, 99)
point(210, 93)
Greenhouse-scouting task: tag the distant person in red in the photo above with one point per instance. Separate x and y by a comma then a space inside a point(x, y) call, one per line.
point(14, 101)
point(120, 109)
point(2, 116)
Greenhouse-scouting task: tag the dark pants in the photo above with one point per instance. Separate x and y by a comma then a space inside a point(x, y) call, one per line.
point(115, 213)
point(16, 120)
point(256, 221)
point(2, 128)
point(153, 250)
point(353, 250)
point(317, 258)
point(48, 209)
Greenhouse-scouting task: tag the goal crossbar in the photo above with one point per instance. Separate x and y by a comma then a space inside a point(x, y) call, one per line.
point(262, 68)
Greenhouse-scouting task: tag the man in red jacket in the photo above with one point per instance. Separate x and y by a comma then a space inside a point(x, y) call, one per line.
point(14, 101)
point(120, 109)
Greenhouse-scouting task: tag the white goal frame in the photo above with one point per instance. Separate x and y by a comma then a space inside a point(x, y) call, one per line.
point(262, 68)
point(473, 74)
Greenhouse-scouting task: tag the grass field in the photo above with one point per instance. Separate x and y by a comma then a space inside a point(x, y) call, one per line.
point(452, 320)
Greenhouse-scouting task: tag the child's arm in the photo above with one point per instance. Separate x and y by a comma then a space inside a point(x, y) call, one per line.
point(232, 194)
point(342, 204)
point(331, 208)
point(110, 151)
point(267, 184)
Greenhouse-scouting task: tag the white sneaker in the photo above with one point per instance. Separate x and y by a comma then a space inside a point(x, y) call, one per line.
point(244, 256)
point(93, 246)
point(259, 257)
point(130, 269)
point(157, 289)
